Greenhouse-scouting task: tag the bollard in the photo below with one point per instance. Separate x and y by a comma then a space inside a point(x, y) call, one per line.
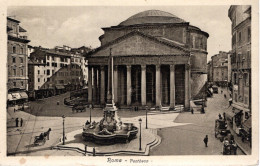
point(86, 150)
point(94, 151)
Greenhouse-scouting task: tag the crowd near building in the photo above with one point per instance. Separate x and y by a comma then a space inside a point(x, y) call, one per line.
point(17, 63)
point(241, 66)
point(156, 58)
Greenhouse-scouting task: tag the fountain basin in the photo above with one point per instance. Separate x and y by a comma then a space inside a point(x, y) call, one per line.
point(120, 136)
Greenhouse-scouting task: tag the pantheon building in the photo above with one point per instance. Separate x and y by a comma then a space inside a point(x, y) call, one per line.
point(158, 60)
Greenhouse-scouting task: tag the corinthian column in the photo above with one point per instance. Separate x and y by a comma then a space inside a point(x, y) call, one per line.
point(143, 85)
point(102, 86)
point(172, 86)
point(95, 85)
point(129, 86)
point(89, 84)
point(158, 85)
point(115, 84)
point(187, 88)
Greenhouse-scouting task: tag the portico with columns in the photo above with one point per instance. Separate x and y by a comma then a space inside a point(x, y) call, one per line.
point(141, 80)
point(156, 57)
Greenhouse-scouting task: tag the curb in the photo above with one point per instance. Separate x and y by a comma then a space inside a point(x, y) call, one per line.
point(238, 144)
point(166, 112)
point(149, 146)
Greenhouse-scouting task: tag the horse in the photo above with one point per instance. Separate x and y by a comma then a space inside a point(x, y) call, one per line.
point(47, 133)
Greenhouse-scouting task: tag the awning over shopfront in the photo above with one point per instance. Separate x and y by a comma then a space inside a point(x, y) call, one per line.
point(248, 123)
point(60, 87)
point(10, 97)
point(231, 112)
point(24, 95)
point(16, 96)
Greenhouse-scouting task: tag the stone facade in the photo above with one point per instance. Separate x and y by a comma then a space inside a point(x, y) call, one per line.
point(220, 68)
point(241, 58)
point(154, 62)
point(17, 58)
point(52, 71)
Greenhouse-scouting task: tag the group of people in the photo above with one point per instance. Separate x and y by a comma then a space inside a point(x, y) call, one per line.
point(224, 116)
point(17, 122)
point(229, 145)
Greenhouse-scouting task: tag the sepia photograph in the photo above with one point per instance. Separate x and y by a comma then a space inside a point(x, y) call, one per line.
point(110, 82)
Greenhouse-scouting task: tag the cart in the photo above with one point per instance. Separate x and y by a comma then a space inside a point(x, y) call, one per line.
point(221, 129)
point(229, 147)
point(40, 140)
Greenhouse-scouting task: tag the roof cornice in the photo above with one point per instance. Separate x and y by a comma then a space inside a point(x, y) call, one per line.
point(140, 34)
point(152, 25)
point(18, 39)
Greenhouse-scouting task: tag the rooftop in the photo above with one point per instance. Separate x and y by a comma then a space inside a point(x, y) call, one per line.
point(152, 17)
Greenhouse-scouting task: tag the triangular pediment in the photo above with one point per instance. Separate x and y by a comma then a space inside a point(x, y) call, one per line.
point(136, 43)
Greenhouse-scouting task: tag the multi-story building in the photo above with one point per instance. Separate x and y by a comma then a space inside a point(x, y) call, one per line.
point(229, 67)
point(209, 71)
point(17, 55)
point(220, 68)
point(241, 63)
point(46, 71)
point(17, 62)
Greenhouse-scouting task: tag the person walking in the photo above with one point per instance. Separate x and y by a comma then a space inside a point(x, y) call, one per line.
point(205, 140)
point(21, 122)
point(16, 122)
point(224, 116)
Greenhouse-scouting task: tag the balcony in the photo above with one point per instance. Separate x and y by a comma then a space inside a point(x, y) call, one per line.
point(23, 37)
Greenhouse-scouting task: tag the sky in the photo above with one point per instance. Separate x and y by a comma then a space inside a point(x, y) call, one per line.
point(76, 26)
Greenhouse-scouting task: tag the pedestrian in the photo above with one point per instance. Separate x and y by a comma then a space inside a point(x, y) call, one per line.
point(221, 91)
point(203, 110)
point(225, 96)
point(205, 140)
point(21, 122)
point(224, 115)
point(192, 111)
point(16, 121)
point(219, 116)
point(87, 122)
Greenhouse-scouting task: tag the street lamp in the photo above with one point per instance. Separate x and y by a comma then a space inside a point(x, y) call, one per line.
point(146, 108)
point(140, 137)
point(63, 138)
point(90, 107)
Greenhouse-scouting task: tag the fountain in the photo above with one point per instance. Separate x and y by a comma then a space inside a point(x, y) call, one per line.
point(110, 129)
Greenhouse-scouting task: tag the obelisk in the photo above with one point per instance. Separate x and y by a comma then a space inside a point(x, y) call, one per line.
point(110, 103)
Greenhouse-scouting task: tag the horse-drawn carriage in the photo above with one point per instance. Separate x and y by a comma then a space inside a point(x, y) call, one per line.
point(229, 145)
point(221, 129)
point(41, 139)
